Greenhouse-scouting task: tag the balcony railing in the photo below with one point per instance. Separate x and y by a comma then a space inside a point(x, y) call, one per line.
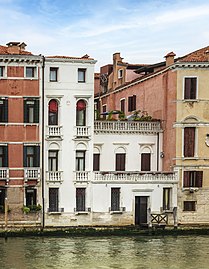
point(54, 176)
point(127, 127)
point(82, 176)
point(82, 131)
point(32, 173)
point(54, 131)
point(4, 173)
point(135, 177)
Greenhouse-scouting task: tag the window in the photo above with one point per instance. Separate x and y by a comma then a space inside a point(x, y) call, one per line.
point(120, 161)
point(53, 112)
point(80, 199)
point(96, 162)
point(81, 75)
point(167, 198)
point(193, 179)
point(53, 160)
point(81, 113)
point(53, 199)
point(2, 198)
point(104, 110)
point(31, 196)
point(120, 73)
point(53, 77)
point(115, 199)
point(122, 105)
point(189, 141)
point(31, 156)
point(145, 161)
point(3, 156)
point(1, 71)
point(30, 72)
point(3, 110)
point(31, 111)
point(80, 160)
point(132, 103)
point(189, 205)
point(190, 88)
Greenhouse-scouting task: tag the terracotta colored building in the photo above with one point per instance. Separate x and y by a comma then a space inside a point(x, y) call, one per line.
point(20, 133)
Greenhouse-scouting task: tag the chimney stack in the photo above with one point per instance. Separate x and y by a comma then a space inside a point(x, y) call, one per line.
point(16, 47)
point(170, 58)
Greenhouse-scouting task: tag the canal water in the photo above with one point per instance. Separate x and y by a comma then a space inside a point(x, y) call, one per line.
point(182, 252)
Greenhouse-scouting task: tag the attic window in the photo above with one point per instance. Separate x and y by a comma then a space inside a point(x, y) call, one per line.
point(120, 73)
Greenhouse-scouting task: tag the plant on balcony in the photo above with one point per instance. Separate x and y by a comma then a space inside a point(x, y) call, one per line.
point(31, 208)
point(139, 115)
point(25, 209)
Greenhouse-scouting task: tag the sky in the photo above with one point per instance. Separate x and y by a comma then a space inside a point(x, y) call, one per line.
point(142, 31)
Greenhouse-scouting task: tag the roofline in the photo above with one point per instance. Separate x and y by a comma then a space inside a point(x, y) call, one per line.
point(71, 60)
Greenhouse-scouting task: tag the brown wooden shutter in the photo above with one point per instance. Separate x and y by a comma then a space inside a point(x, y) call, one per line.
point(186, 178)
point(145, 161)
point(187, 88)
point(189, 141)
point(130, 103)
point(134, 102)
point(199, 177)
point(122, 105)
point(120, 161)
point(96, 162)
point(193, 88)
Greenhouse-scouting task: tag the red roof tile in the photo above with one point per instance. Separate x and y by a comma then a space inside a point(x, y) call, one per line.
point(4, 50)
point(196, 56)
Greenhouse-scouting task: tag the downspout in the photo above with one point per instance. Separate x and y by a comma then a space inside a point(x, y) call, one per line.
point(158, 151)
point(42, 149)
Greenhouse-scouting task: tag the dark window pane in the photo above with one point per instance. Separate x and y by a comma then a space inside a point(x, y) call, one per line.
point(80, 199)
point(96, 162)
point(31, 195)
point(53, 112)
point(145, 161)
point(189, 205)
point(53, 73)
point(122, 105)
point(190, 88)
point(81, 75)
point(166, 198)
point(193, 179)
point(115, 199)
point(120, 161)
point(189, 141)
point(53, 199)
point(80, 160)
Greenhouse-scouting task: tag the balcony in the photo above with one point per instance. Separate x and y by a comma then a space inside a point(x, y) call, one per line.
point(127, 127)
point(54, 176)
point(82, 176)
point(4, 174)
point(32, 173)
point(82, 131)
point(54, 131)
point(141, 177)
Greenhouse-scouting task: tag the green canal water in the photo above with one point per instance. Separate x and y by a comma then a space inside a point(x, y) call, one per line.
point(182, 252)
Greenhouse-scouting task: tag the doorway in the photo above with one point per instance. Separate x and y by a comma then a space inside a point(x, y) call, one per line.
point(141, 210)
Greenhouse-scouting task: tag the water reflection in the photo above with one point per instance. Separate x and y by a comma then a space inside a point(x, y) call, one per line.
point(189, 252)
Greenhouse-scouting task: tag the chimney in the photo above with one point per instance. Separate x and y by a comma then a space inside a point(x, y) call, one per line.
point(13, 47)
point(22, 46)
point(170, 58)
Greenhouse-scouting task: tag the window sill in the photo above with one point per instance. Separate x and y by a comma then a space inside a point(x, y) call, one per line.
point(82, 213)
point(55, 213)
point(190, 158)
point(190, 100)
point(116, 212)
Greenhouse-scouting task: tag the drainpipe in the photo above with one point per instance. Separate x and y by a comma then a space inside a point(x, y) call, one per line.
point(158, 151)
point(42, 149)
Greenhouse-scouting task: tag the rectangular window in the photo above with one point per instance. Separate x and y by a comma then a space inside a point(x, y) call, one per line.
point(122, 105)
point(31, 196)
point(1, 71)
point(30, 72)
point(120, 159)
point(53, 160)
point(96, 162)
point(189, 141)
point(2, 199)
point(80, 160)
point(189, 205)
point(115, 199)
point(53, 199)
point(132, 103)
point(3, 110)
point(193, 179)
point(3, 156)
point(145, 161)
point(53, 74)
point(80, 199)
point(190, 88)
point(104, 110)
point(81, 75)
point(31, 111)
point(31, 156)
point(167, 198)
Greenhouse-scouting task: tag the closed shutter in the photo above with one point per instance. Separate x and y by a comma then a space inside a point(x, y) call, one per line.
point(53, 200)
point(130, 103)
point(134, 102)
point(37, 156)
point(187, 88)
point(199, 177)
point(193, 88)
point(120, 161)
point(25, 112)
point(5, 160)
point(96, 162)
point(5, 110)
point(122, 105)
point(189, 141)
point(186, 179)
point(190, 88)
point(36, 111)
point(24, 156)
point(145, 161)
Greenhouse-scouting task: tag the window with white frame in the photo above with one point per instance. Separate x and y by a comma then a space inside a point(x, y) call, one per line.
point(190, 88)
point(31, 156)
point(120, 73)
point(53, 112)
point(81, 75)
point(2, 68)
point(81, 113)
point(53, 74)
point(30, 72)
point(189, 141)
point(31, 197)
point(80, 160)
point(53, 160)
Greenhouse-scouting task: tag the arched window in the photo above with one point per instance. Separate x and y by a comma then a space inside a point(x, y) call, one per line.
point(81, 113)
point(53, 112)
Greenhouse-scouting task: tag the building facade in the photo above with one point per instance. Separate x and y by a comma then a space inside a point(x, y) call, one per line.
point(20, 133)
